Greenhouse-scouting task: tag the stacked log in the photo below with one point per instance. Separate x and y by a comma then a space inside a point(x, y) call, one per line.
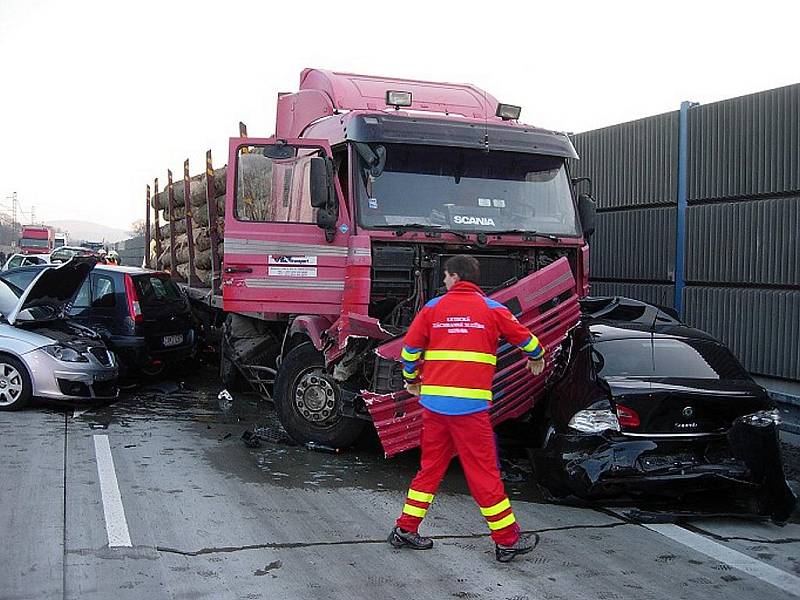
point(200, 229)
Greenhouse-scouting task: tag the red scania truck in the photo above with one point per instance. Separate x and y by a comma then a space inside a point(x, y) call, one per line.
point(336, 229)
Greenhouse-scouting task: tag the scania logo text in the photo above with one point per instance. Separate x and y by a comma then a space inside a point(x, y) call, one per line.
point(462, 220)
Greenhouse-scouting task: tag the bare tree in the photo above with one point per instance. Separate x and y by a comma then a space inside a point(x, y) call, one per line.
point(137, 227)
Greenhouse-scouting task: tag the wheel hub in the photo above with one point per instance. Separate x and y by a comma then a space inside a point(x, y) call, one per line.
point(315, 398)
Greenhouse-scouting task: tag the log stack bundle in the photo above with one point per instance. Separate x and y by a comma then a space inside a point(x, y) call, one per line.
point(199, 217)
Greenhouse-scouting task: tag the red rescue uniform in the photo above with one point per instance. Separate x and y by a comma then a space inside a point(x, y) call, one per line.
point(450, 349)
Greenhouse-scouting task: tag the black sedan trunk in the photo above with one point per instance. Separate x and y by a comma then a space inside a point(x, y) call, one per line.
point(683, 406)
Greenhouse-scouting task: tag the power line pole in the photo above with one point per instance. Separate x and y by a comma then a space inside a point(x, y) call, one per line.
point(14, 203)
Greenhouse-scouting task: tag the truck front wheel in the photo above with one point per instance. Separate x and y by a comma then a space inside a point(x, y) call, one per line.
point(309, 402)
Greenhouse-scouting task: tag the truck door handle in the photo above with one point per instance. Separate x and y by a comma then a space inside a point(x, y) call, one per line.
point(238, 270)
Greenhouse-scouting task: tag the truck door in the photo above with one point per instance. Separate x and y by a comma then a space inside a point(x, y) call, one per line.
point(283, 254)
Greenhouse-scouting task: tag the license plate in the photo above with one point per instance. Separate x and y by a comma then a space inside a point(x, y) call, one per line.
point(105, 376)
point(172, 340)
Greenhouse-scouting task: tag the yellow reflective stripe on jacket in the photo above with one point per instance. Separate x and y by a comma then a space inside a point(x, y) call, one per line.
point(409, 356)
point(531, 346)
point(496, 509)
point(458, 392)
point(420, 496)
point(504, 522)
point(411, 375)
point(461, 355)
point(414, 511)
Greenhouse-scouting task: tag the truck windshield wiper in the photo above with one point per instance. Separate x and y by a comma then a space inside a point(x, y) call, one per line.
point(529, 235)
point(401, 229)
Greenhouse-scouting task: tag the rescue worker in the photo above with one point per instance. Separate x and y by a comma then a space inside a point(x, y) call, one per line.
point(112, 258)
point(449, 357)
point(102, 257)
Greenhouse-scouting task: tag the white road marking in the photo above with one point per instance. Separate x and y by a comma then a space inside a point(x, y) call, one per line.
point(116, 525)
point(78, 413)
point(780, 579)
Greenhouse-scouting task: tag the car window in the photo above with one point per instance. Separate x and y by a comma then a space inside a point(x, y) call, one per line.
point(15, 262)
point(83, 298)
point(20, 279)
point(103, 293)
point(680, 359)
point(156, 289)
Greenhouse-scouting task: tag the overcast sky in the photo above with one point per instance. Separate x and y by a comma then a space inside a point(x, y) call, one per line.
point(100, 97)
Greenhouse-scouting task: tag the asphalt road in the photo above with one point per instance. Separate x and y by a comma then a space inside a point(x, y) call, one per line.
point(156, 496)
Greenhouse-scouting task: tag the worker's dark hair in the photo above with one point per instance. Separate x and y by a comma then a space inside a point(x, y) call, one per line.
point(466, 267)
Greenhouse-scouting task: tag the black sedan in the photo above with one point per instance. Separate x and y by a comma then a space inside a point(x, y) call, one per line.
point(644, 404)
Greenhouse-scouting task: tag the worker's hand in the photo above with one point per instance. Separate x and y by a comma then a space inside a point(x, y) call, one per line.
point(413, 388)
point(535, 366)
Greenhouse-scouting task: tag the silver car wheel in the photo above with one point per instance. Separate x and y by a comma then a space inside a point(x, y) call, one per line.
point(10, 384)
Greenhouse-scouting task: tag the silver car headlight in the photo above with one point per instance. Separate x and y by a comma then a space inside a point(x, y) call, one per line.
point(65, 353)
point(594, 421)
point(763, 417)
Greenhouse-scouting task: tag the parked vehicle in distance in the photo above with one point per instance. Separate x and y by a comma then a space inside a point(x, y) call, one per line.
point(44, 354)
point(142, 315)
point(60, 240)
point(23, 260)
point(36, 239)
point(63, 254)
point(644, 404)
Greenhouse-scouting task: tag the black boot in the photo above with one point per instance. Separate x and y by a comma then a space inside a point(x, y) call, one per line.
point(522, 546)
point(400, 538)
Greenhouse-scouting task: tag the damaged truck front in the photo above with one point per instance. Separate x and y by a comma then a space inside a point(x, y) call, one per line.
point(336, 230)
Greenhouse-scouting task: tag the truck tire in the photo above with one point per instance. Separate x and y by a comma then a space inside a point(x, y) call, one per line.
point(15, 384)
point(308, 401)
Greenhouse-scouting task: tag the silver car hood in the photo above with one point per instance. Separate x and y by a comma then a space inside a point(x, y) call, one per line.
point(53, 288)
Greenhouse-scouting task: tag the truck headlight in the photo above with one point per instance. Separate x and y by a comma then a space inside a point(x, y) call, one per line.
point(65, 353)
point(594, 421)
point(763, 417)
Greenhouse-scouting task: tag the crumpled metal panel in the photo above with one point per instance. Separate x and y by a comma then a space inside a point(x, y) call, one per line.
point(546, 303)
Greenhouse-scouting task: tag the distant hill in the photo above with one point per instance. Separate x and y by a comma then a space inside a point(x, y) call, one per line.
point(84, 230)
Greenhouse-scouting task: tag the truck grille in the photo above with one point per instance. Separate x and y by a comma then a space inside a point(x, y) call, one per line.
point(495, 270)
point(102, 355)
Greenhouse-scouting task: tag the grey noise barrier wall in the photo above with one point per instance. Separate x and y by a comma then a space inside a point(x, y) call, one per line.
point(740, 244)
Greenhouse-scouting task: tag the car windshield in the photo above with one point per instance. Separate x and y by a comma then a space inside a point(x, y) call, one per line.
point(9, 298)
point(156, 289)
point(466, 190)
point(672, 358)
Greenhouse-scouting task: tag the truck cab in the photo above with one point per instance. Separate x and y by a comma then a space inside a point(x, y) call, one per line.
point(36, 239)
point(337, 229)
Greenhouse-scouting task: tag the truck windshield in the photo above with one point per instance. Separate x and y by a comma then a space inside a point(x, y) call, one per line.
point(467, 190)
point(34, 243)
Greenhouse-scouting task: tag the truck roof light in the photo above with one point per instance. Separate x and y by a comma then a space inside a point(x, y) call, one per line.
point(508, 112)
point(397, 99)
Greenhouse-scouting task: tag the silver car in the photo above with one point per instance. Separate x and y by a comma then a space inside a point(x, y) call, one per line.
point(44, 354)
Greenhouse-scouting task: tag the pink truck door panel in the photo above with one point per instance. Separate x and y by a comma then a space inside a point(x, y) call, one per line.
point(277, 259)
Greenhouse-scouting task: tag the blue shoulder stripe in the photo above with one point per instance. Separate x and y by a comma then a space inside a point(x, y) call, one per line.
point(433, 302)
point(493, 303)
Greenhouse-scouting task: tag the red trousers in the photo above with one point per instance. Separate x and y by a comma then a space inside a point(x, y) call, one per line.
point(472, 439)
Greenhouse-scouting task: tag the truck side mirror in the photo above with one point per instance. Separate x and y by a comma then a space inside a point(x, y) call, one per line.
point(587, 210)
point(321, 182)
